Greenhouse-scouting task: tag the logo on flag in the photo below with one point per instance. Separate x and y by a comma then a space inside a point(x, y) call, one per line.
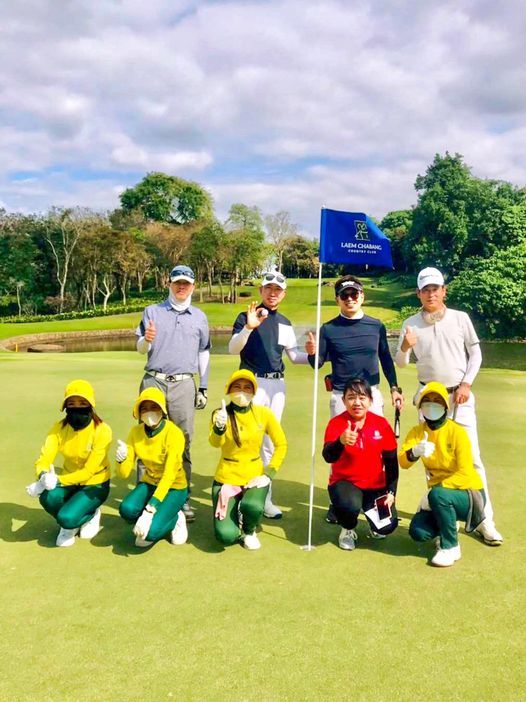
point(361, 230)
point(353, 237)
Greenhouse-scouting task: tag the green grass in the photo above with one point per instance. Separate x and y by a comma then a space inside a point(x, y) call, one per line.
point(382, 301)
point(103, 620)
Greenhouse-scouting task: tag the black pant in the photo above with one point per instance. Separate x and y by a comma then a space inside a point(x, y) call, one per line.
point(348, 501)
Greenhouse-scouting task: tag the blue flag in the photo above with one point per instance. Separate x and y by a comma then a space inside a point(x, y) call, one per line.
point(352, 237)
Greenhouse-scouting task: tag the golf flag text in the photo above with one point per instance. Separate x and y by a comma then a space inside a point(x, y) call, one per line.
point(352, 237)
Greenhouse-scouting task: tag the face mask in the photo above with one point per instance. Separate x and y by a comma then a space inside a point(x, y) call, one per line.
point(432, 410)
point(179, 305)
point(151, 419)
point(241, 399)
point(78, 417)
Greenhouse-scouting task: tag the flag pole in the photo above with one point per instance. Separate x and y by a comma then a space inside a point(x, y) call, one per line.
point(308, 546)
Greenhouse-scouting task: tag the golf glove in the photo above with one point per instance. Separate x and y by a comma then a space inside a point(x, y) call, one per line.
point(221, 417)
point(49, 479)
point(259, 481)
point(35, 489)
point(143, 524)
point(121, 452)
point(201, 399)
point(424, 448)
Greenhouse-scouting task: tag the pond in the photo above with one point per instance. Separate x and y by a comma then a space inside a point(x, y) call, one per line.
point(495, 354)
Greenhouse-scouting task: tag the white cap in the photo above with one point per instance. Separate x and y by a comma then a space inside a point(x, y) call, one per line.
point(429, 276)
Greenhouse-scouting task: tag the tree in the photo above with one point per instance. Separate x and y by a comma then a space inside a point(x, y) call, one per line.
point(207, 254)
point(244, 244)
point(300, 257)
point(280, 229)
point(165, 198)
point(395, 226)
point(18, 256)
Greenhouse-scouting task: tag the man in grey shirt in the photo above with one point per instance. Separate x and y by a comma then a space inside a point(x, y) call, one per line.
point(176, 338)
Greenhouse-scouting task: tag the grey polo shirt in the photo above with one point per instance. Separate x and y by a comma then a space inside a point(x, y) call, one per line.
point(180, 337)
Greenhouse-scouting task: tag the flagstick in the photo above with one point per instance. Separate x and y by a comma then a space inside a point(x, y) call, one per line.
point(308, 546)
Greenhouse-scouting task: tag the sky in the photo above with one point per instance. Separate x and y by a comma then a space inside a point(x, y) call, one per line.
point(286, 105)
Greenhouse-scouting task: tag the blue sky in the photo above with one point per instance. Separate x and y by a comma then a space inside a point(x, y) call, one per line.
point(285, 105)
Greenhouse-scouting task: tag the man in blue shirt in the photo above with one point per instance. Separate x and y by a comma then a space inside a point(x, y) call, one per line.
point(176, 338)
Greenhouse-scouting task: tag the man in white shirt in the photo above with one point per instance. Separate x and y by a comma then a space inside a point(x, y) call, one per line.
point(447, 350)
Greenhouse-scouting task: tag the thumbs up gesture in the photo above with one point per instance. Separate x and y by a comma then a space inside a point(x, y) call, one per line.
point(410, 339)
point(121, 453)
point(350, 435)
point(310, 344)
point(150, 331)
point(424, 448)
point(49, 479)
point(221, 417)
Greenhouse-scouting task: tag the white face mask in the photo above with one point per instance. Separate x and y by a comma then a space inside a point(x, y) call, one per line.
point(432, 410)
point(151, 419)
point(241, 399)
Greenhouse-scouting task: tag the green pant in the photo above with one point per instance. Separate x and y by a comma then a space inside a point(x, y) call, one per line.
point(447, 506)
point(249, 503)
point(167, 512)
point(74, 505)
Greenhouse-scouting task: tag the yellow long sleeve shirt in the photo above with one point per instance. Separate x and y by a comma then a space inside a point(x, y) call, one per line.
point(162, 456)
point(451, 463)
point(85, 453)
point(239, 464)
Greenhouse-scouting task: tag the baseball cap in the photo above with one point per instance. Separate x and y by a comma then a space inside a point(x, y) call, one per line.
point(274, 278)
point(182, 273)
point(429, 276)
point(352, 284)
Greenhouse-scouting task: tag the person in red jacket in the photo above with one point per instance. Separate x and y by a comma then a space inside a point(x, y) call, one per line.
point(361, 446)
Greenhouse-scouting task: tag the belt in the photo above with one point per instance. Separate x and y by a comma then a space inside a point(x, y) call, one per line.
point(235, 460)
point(450, 390)
point(170, 378)
point(274, 376)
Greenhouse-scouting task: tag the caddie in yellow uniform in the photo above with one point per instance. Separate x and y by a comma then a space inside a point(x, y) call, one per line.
point(241, 481)
point(455, 487)
point(74, 495)
point(155, 505)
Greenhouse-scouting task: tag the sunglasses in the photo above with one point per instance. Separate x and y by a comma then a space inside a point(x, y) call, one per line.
point(270, 277)
point(177, 272)
point(346, 294)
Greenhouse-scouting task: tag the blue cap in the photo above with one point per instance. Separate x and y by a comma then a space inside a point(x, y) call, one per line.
point(182, 273)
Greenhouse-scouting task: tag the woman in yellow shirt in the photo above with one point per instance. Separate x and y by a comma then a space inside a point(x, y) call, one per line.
point(74, 496)
point(155, 505)
point(241, 482)
point(455, 487)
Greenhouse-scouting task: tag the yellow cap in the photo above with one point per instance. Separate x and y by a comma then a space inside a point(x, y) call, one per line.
point(243, 373)
point(79, 388)
point(434, 386)
point(152, 394)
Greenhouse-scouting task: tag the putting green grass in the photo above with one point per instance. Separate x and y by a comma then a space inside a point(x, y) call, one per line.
point(106, 621)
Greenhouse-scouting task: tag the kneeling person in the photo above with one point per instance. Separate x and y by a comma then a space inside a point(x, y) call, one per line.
point(455, 487)
point(361, 446)
point(155, 505)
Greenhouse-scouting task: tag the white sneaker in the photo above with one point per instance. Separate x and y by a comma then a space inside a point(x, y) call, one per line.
point(141, 543)
point(91, 528)
point(347, 539)
point(375, 535)
point(179, 533)
point(489, 534)
point(445, 557)
point(66, 537)
point(271, 511)
point(251, 542)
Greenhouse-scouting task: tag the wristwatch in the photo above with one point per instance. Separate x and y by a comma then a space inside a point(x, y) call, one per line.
point(396, 388)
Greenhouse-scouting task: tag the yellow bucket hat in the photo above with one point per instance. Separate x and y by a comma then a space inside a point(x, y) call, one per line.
point(243, 373)
point(79, 388)
point(152, 394)
point(434, 386)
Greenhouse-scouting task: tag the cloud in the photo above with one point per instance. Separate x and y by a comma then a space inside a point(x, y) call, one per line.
point(278, 103)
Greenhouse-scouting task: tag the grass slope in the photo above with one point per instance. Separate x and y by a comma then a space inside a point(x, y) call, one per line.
point(103, 620)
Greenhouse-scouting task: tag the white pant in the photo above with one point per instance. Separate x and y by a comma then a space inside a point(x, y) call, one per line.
point(336, 405)
point(465, 416)
point(271, 393)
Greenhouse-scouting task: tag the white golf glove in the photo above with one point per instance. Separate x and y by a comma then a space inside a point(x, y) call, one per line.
point(201, 399)
point(35, 489)
point(49, 479)
point(121, 452)
point(260, 481)
point(143, 524)
point(221, 417)
point(424, 448)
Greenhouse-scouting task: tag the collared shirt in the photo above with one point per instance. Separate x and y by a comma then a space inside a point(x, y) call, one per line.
point(179, 339)
point(263, 352)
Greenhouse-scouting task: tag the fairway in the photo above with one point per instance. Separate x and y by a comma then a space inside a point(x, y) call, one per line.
point(106, 621)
